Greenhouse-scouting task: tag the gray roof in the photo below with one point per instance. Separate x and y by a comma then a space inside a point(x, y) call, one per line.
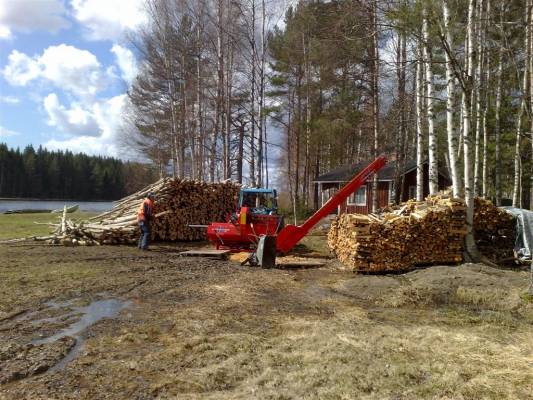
point(347, 172)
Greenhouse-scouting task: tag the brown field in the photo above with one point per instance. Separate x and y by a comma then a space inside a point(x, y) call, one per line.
point(209, 329)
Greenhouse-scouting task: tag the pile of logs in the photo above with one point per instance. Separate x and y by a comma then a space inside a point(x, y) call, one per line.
point(494, 231)
point(178, 204)
point(413, 233)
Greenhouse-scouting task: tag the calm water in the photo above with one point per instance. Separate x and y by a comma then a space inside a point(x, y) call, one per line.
point(89, 206)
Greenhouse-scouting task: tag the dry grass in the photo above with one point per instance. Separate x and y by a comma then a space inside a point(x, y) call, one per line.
point(213, 330)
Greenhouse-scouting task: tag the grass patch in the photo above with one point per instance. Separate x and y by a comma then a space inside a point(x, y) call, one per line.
point(526, 297)
point(22, 225)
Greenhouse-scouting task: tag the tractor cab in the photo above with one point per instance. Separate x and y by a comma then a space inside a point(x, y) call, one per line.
point(259, 201)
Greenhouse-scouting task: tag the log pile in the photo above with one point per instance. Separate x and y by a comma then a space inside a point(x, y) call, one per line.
point(413, 233)
point(494, 231)
point(178, 203)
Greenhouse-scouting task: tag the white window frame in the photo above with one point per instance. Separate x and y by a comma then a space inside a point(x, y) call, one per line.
point(353, 197)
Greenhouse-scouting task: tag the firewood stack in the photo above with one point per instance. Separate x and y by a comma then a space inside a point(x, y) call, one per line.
point(178, 203)
point(413, 233)
point(494, 231)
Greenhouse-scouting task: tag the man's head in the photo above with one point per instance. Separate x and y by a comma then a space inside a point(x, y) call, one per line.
point(151, 196)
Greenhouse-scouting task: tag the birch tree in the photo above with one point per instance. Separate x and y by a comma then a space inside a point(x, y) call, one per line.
point(432, 138)
point(375, 100)
point(468, 165)
point(522, 109)
point(450, 106)
point(419, 127)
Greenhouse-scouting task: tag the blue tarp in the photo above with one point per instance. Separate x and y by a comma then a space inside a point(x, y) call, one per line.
point(524, 232)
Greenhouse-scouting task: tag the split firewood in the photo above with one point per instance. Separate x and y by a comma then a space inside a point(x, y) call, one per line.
point(418, 233)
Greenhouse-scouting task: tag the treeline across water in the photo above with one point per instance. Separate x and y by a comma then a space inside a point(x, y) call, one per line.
point(45, 174)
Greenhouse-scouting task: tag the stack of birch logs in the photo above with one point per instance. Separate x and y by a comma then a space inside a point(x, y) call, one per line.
point(494, 231)
point(178, 204)
point(413, 233)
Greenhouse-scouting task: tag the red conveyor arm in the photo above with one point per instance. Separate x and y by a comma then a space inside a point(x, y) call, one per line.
point(289, 236)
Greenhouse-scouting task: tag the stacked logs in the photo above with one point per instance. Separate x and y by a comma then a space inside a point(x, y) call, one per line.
point(414, 233)
point(494, 231)
point(178, 204)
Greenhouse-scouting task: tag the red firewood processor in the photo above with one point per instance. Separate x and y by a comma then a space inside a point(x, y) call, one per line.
point(256, 226)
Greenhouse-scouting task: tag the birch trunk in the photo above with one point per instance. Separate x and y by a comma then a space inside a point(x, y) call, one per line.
point(497, 133)
point(375, 102)
point(307, 122)
point(228, 96)
point(419, 129)
point(471, 248)
point(252, 101)
point(477, 95)
point(486, 105)
point(497, 126)
point(262, 116)
point(450, 107)
point(523, 105)
point(432, 138)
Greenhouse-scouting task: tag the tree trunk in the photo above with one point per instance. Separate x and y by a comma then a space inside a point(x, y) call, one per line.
point(419, 127)
point(432, 138)
point(307, 161)
point(375, 102)
point(481, 39)
point(471, 248)
point(497, 127)
point(263, 153)
point(450, 107)
point(523, 104)
point(486, 106)
point(240, 153)
point(530, 57)
point(252, 101)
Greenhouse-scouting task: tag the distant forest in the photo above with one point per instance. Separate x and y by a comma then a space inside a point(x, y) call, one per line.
point(45, 174)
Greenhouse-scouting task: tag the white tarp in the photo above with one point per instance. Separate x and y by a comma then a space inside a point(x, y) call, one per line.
point(524, 231)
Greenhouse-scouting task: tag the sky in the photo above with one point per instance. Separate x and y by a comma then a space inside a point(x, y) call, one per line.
point(65, 67)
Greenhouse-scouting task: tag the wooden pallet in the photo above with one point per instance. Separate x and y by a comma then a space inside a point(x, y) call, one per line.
point(209, 253)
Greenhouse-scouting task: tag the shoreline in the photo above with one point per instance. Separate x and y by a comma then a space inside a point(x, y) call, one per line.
point(70, 200)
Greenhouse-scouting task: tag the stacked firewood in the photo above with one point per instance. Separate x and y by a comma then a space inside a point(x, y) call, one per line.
point(494, 231)
point(413, 233)
point(178, 204)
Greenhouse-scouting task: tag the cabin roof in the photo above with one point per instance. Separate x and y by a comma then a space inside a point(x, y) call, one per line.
point(346, 172)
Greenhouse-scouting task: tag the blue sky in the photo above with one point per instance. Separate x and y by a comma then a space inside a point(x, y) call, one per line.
point(65, 67)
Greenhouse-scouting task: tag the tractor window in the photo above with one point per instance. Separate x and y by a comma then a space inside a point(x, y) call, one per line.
point(249, 199)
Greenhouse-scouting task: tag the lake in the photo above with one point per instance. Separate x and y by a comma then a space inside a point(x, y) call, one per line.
point(87, 206)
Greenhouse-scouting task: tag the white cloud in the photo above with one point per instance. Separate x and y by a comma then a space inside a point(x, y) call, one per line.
point(67, 67)
point(31, 15)
point(108, 19)
point(107, 114)
point(72, 69)
point(20, 69)
point(5, 32)
point(126, 62)
point(9, 100)
point(4, 132)
point(72, 121)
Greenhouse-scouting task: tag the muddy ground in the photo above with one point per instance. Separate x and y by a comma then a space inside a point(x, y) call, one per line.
point(207, 329)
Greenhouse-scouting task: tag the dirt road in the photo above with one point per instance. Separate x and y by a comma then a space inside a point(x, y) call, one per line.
point(152, 325)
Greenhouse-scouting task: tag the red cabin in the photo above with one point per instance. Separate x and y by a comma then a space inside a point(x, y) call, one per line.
point(361, 201)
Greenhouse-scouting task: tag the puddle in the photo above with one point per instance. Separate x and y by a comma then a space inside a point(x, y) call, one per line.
point(90, 314)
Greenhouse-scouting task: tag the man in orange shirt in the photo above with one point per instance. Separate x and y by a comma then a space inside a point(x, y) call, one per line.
point(144, 217)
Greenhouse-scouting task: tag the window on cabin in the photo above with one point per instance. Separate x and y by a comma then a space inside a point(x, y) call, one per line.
point(358, 198)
